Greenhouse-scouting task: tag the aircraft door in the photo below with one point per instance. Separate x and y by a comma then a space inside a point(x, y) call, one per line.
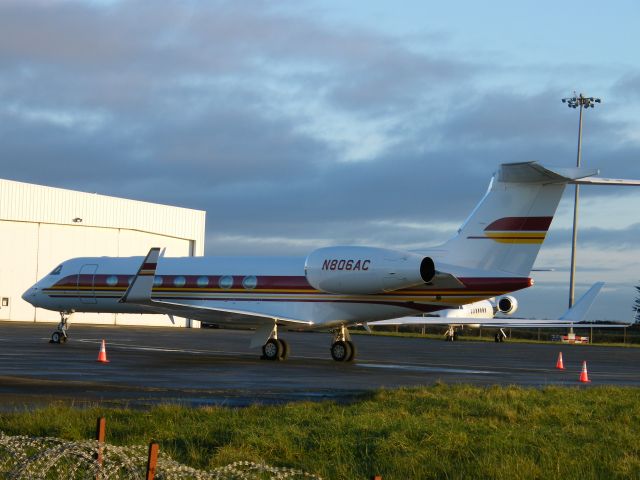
point(86, 279)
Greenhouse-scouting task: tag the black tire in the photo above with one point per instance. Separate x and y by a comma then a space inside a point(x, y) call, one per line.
point(455, 337)
point(352, 354)
point(340, 351)
point(285, 349)
point(56, 337)
point(272, 350)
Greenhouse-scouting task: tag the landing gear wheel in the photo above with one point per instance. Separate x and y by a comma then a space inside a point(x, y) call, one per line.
point(341, 351)
point(272, 350)
point(284, 346)
point(56, 337)
point(352, 355)
point(498, 337)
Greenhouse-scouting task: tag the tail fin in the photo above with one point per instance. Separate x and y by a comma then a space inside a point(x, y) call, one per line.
point(578, 312)
point(505, 231)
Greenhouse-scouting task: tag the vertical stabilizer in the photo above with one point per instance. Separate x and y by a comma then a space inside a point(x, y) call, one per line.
point(505, 231)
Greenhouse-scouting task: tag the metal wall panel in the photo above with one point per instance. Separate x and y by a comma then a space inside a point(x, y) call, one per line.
point(37, 232)
point(18, 267)
point(35, 203)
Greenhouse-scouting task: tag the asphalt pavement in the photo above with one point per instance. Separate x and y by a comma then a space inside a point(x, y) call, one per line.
point(151, 365)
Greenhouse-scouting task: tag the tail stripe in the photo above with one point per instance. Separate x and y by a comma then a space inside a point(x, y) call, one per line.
point(515, 224)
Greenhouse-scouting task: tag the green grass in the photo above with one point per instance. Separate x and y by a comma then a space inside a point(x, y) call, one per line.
point(434, 432)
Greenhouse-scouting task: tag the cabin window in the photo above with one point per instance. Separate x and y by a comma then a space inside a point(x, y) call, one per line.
point(56, 271)
point(179, 281)
point(202, 281)
point(226, 282)
point(112, 280)
point(250, 282)
point(157, 281)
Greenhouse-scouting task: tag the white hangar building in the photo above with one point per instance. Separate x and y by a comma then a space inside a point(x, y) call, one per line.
point(42, 226)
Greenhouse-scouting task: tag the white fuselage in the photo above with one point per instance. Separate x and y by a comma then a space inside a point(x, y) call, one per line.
point(273, 286)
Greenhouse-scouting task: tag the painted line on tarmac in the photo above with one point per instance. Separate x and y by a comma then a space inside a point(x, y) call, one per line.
point(419, 368)
point(127, 346)
point(146, 348)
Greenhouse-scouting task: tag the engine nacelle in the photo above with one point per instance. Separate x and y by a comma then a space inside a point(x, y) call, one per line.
point(366, 270)
point(506, 304)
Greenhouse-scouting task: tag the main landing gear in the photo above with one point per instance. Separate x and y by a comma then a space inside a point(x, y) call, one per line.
point(60, 334)
point(451, 335)
point(275, 348)
point(342, 348)
point(500, 336)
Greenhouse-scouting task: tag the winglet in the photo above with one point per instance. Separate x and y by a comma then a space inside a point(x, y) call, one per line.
point(139, 290)
point(578, 312)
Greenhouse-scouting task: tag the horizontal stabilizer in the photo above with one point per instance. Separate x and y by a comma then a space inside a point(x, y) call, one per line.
point(532, 172)
point(607, 181)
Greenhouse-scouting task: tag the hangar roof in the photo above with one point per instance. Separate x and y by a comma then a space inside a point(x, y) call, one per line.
point(26, 202)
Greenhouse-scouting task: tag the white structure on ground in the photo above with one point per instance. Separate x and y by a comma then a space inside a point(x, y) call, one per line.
point(42, 226)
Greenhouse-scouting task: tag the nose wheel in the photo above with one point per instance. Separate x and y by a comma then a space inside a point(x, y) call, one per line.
point(60, 334)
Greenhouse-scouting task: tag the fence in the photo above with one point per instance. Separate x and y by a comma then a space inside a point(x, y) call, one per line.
point(23, 457)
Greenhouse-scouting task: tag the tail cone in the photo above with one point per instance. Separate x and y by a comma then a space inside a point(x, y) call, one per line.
point(560, 363)
point(584, 376)
point(102, 355)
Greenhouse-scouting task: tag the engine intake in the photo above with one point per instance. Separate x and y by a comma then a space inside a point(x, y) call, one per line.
point(507, 304)
point(366, 270)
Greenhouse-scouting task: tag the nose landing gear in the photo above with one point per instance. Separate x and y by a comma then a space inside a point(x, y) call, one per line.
point(60, 334)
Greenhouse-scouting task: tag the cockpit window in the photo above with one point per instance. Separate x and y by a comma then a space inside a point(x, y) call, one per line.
point(56, 271)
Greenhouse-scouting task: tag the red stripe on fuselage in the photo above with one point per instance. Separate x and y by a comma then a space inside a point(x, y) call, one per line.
point(515, 224)
point(284, 284)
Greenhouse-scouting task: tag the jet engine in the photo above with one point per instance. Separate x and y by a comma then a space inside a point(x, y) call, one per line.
point(506, 304)
point(366, 270)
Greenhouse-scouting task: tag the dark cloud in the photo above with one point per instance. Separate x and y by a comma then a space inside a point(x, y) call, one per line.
point(249, 112)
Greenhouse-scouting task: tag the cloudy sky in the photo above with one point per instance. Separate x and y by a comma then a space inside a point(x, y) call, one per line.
point(300, 124)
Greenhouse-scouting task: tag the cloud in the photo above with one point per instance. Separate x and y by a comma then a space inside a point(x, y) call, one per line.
point(292, 130)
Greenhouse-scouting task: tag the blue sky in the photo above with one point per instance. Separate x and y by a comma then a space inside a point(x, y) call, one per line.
point(302, 124)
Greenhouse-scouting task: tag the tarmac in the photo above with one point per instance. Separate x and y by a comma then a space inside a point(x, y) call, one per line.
point(152, 365)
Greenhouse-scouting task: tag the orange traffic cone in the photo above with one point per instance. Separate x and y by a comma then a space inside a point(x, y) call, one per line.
point(584, 377)
point(102, 355)
point(559, 363)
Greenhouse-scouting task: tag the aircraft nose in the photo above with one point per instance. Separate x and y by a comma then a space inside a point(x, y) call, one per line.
point(29, 294)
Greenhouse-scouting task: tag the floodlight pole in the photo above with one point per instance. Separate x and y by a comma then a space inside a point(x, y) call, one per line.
point(574, 102)
point(574, 237)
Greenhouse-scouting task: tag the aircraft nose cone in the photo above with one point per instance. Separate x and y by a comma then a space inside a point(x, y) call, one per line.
point(29, 294)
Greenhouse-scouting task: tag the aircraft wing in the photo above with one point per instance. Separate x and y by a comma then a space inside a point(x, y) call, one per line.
point(573, 317)
point(494, 322)
point(139, 293)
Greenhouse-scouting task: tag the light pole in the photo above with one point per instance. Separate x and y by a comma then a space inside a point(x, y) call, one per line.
point(577, 101)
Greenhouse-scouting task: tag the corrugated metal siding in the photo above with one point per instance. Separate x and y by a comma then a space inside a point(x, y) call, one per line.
point(35, 203)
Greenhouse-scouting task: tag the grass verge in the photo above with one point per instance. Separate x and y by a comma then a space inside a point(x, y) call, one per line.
point(433, 432)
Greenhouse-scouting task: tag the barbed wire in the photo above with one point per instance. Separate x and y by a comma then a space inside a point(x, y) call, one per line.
point(23, 457)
